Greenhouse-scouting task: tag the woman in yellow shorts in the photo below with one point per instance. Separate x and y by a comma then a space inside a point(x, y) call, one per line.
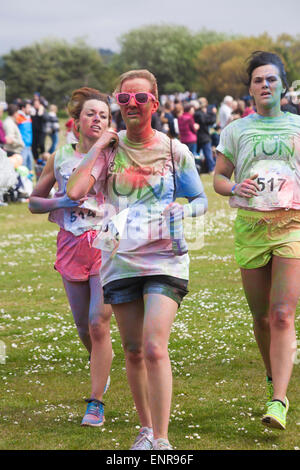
point(263, 152)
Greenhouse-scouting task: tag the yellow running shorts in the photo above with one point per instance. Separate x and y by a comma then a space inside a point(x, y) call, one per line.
point(260, 235)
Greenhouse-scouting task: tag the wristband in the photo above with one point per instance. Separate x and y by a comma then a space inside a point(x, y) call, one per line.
point(232, 193)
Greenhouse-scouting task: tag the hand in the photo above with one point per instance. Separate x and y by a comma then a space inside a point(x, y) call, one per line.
point(247, 188)
point(41, 110)
point(174, 210)
point(65, 201)
point(196, 126)
point(109, 138)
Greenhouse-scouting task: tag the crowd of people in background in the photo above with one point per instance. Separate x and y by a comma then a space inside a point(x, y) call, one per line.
point(23, 135)
point(185, 116)
point(198, 123)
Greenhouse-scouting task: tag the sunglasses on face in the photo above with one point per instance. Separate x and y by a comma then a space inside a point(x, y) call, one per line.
point(139, 98)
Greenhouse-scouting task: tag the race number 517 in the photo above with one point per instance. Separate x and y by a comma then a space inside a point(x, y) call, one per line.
point(271, 185)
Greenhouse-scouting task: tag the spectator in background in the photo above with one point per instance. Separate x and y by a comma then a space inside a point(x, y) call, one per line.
point(178, 108)
point(249, 108)
point(205, 119)
point(177, 111)
point(188, 128)
point(215, 139)
point(4, 139)
point(24, 122)
point(70, 135)
point(234, 106)
point(12, 132)
point(241, 105)
point(287, 106)
point(42, 99)
point(39, 119)
point(225, 111)
point(8, 176)
point(117, 122)
point(237, 114)
point(294, 98)
point(120, 124)
point(52, 127)
point(168, 119)
point(156, 122)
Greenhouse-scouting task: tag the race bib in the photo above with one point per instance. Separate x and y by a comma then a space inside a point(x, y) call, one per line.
point(276, 183)
point(88, 215)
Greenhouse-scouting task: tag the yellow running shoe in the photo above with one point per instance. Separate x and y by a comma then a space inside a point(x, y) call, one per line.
point(276, 414)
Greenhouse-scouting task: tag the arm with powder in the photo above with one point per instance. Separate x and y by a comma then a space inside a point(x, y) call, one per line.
point(82, 179)
point(39, 202)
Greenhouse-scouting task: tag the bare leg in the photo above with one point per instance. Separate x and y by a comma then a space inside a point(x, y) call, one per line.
point(92, 320)
point(99, 326)
point(285, 293)
point(78, 294)
point(130, 319)
point(160, 312)
point(257, 286)
point(275, 288)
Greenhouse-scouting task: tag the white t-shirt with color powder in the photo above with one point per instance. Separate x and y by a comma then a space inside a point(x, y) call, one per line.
point(140, 177)
point(269, 147)
point(80, 219)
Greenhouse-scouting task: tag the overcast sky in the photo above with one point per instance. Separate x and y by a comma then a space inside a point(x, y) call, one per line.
point(101, 22)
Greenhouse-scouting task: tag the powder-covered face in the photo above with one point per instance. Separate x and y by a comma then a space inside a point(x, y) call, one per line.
point(94, 119)
point(137, 114)
point(266, 86)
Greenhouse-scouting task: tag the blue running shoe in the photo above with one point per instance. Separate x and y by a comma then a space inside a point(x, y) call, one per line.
point(94, 415)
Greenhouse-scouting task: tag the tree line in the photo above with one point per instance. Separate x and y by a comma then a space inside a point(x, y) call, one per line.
point(207, 62)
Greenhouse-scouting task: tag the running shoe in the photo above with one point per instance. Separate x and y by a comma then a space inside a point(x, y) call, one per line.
point(276, 414)
point(270, 393)
point(94, 415)
point(143, 440)
point(162, 444)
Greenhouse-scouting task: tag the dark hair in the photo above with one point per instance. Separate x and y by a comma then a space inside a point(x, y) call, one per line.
point(12, 109)
point(24, 103)
point(187, 107)
point(259, 58)
point(249, 102)
point(80, 96)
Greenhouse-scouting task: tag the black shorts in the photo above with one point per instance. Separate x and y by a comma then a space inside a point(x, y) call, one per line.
point(133, 288)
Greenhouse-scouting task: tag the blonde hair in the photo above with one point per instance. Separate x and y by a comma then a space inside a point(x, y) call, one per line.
point(142, 73)
point(53, 108)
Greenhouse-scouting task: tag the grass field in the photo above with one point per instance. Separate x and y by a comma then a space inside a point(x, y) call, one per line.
point(219, 381)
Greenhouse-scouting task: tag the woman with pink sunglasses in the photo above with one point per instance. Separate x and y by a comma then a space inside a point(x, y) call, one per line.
point(146, 276)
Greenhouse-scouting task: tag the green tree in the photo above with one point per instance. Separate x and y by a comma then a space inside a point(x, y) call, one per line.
point(289, 49)
point(168, 51)
point(54, 68)
point(221, 67)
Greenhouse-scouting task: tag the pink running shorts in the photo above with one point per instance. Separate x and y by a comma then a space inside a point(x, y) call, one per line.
point(76, 259)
